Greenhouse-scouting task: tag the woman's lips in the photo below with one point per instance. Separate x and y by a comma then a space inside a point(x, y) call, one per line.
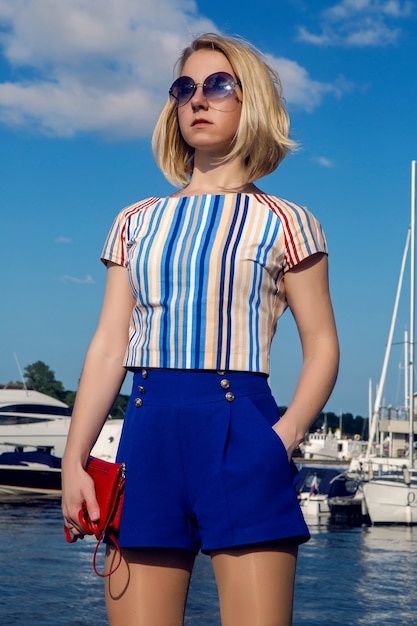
point(200, 122)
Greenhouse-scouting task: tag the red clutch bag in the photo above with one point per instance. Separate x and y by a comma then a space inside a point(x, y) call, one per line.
point(109, 480)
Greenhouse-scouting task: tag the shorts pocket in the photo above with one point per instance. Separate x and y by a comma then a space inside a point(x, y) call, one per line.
point(251, 433)
point(266, 413)
point(267, 410)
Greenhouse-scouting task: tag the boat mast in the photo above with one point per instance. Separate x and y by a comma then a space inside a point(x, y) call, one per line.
point(21, 373)
point(381, 384)
point(412, 315)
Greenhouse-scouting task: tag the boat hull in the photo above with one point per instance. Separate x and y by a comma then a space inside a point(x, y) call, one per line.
point(314, 506)
point(391, 501)
point(31, 480)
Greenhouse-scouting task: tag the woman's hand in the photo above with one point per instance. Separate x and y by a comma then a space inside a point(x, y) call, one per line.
point(287, 432)
point(77, 489)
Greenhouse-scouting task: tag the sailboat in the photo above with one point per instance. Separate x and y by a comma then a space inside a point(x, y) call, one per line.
point(391, 495)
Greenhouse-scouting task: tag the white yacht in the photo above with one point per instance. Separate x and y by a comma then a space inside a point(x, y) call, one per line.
point(33, 432)
point(328, 446)
point(392, 497)
point(31, 418)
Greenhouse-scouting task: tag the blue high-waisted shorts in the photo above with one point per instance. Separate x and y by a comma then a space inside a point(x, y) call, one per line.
point(204, 468)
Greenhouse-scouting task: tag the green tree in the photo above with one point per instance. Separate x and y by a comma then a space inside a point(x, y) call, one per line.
point(350, 425)
point(69, 398)
point(119, 406)
point(41, 378)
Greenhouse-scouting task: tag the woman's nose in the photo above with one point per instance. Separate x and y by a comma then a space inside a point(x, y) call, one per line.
point(199, 100)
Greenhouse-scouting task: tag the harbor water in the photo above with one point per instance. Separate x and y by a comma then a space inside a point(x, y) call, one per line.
point(348, 576)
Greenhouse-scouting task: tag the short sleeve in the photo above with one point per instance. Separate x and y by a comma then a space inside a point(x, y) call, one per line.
point(304, 235)
point(114, 248)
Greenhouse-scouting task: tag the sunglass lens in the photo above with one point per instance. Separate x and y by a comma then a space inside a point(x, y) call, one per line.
point(218, 86)
point(182, 89)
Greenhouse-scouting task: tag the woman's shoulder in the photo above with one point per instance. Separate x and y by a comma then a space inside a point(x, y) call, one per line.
point(297, 221)
point(282, 205)
point(136, 207)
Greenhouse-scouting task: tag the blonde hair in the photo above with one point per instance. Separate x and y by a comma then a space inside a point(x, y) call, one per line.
point(262, 139)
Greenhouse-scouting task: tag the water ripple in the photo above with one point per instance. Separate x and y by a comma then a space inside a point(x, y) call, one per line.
point(349, 576)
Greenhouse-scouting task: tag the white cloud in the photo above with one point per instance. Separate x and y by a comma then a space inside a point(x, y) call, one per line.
point(104, 66)
point(300, 89)
point(347, 9)
point(63, 240)
point(359, 23)
point(92, 65)
point(324, 162)
point(323, 39)
point(398, 9)
point(88, 280)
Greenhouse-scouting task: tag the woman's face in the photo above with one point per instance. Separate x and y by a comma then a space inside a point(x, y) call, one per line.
point(209, 125)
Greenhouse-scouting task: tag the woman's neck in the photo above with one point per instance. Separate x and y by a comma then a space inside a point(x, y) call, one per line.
point(219, 178)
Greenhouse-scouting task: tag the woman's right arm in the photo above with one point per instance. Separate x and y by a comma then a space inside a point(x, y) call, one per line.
point(102, 376)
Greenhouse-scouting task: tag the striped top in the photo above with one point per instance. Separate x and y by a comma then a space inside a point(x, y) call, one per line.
point(206, 273)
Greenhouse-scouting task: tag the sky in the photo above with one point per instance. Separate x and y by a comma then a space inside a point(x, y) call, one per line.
point(82, 83)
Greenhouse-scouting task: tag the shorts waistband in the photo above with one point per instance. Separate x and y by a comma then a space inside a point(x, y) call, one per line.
point(173, 386)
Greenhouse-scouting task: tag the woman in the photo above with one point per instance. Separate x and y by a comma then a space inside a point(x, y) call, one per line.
point(195, 285)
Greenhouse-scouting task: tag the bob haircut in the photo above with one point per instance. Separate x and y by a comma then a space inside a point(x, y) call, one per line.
point(262, 139)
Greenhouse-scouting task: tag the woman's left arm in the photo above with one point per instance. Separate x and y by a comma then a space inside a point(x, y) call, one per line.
point(307, 293)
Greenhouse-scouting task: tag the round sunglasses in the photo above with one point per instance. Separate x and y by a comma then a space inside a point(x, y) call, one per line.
point(217, 86)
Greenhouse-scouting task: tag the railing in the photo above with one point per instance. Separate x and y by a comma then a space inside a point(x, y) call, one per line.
point(393, 413)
